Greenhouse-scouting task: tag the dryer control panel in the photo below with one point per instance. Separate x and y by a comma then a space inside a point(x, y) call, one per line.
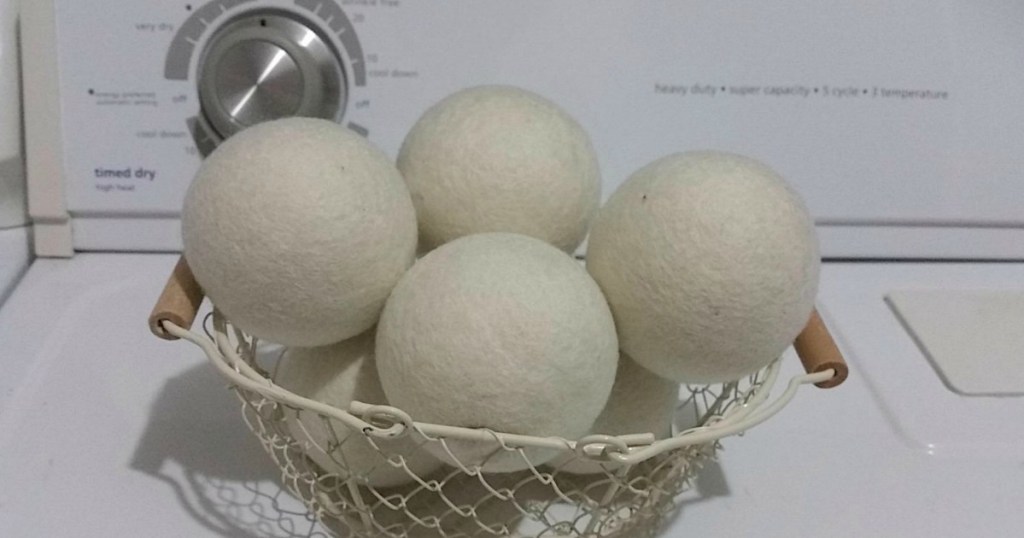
point(898, 124)
point(143, 103)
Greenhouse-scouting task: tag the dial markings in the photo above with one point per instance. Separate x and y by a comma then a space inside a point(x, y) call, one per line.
point(332, 15)
point(184, 43)
point(363, 131)
point(200, 134)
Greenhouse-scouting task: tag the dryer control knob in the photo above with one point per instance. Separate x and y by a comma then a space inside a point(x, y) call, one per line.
point(265, 66)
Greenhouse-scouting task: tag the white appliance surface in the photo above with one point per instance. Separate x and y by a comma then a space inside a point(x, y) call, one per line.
point(974, 338)
point(105, 430)
point(13, 209)
point(15, 254)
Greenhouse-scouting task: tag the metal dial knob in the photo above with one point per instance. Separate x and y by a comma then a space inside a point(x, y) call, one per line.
point(265, 66)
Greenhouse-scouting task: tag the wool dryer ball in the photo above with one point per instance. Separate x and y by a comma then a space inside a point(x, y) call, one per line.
point(298, 229)
point(500, 159)
point(710, 264)
point(336, 375)
point(499, 331)
point(640, 402)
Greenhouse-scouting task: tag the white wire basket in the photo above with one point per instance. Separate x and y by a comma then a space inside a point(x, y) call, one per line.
point(630, 489)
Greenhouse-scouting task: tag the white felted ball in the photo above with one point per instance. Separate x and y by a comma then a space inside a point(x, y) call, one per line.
point(298, 229)
point(710, 264)
point(641, 402)
point(500, 159)
point(498, 331)
point(336, 375)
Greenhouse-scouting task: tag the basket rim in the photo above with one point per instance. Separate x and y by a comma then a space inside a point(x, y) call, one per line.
point(221, 347)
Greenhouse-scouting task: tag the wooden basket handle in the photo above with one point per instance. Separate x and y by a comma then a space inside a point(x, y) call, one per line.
point(179, 302)
point(818, 352)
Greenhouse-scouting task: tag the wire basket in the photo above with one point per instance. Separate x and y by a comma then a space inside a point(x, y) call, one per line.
point(598, 486)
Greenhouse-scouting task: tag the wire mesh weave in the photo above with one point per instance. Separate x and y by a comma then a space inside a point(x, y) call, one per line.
point(631, 488)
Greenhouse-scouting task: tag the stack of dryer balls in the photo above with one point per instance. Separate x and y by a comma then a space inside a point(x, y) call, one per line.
point(702, 267)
